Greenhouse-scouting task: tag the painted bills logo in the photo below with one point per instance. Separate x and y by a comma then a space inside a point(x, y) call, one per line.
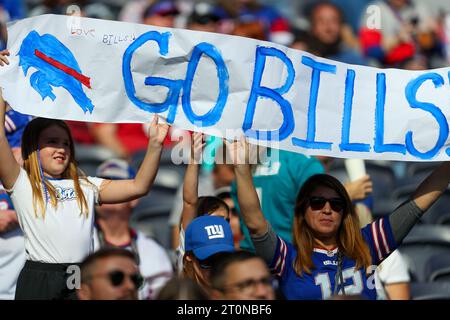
point(65, 194)
point(56, 67)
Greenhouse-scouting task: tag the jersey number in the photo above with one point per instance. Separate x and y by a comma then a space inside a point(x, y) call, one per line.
point(323, 280)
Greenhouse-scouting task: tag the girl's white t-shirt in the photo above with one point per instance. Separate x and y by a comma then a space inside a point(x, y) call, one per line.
point(64, 235)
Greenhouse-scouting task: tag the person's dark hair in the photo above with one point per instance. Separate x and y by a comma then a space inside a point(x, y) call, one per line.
point(311, 9)
point(349, 237)
point(153, 9)
point(88, 264)
point(209, 204)
point(224, 195)
point(182, 288)
point(222, 262)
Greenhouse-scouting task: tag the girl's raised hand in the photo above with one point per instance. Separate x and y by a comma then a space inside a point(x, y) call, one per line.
point(3, 57)
point(240, 151)
point(157, 132)
point(197, 145)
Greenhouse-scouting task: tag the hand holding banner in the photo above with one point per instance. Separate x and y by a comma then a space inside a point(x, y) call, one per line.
point(107, 71)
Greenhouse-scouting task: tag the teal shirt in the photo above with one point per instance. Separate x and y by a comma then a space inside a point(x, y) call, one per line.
point(277, 184)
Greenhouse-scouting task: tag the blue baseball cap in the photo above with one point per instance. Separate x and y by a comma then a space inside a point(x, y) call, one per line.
point(208, 235)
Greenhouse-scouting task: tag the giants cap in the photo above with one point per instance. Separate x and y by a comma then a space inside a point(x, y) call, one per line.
point(208, 235)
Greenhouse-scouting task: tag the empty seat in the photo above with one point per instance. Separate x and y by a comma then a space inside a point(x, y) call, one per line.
point(89, 157)
point(423, 242)
point(444, 219)
point(169, 175)
point(383, 179)
point(438, 268)
point(430, 291)
point(151, 215)
point(420, 169)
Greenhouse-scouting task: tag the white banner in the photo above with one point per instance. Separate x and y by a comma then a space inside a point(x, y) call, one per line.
point(106, 71)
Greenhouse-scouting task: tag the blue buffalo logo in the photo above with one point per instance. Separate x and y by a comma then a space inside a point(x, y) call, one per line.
point(56, 67)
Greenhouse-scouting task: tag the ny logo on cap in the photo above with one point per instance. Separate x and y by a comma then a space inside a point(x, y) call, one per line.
point(215, 231)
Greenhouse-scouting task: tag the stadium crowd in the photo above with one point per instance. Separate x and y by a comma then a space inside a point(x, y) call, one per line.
point(139, 226)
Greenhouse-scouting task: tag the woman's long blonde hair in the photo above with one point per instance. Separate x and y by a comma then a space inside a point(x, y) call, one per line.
point(349, 238)
point(31, 164)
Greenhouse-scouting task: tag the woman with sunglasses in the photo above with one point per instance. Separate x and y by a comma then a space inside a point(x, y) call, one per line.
point(330, 254)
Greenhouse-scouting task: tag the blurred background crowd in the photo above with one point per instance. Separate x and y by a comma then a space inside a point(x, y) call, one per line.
point(404, 34)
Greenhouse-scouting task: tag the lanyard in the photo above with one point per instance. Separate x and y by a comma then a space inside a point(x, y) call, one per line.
point(339, 279)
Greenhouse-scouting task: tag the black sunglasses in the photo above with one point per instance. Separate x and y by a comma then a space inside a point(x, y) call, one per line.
point(317, 203)
point(117, 277)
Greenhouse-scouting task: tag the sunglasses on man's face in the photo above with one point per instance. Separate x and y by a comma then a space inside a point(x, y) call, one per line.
point(117, 277)
point(317, 203)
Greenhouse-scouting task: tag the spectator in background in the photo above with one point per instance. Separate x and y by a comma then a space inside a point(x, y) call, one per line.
point(206, 237)
point(110, 274)
point(133, 10)
point(205, 17)
point(241, 276)
point(276, 28)
point(398, 31)
point(15, 9)
point(10, 10)
point(113, 230)
point(417, 62)
point(84, 8)
point(330, 37)
point(12, 245)
point(161, 14)
point(55, 7)
point(250, 29)
point(124, 139)
point(179, 288)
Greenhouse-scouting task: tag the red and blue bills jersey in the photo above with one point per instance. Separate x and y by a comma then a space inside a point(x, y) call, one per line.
point(320, 284)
